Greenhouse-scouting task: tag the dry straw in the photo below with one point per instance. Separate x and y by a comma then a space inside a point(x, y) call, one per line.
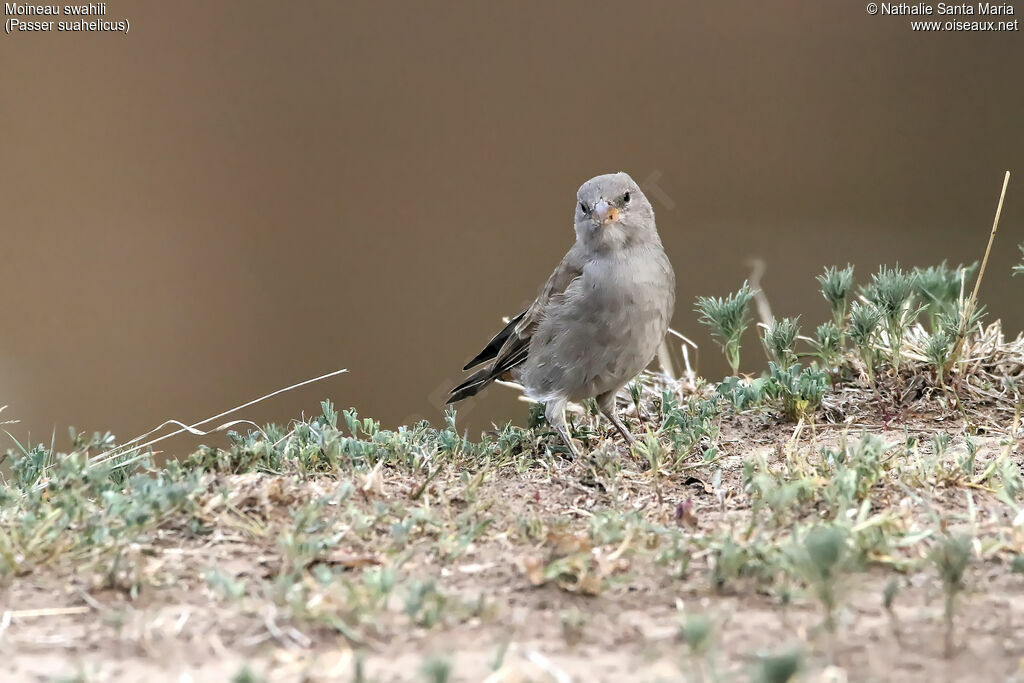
point(134, 445)
point(969, 310)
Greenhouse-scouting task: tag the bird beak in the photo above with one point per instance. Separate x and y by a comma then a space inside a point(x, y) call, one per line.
point(605, 213)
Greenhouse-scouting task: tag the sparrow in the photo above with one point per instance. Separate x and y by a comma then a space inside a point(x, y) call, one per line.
point(600, 317)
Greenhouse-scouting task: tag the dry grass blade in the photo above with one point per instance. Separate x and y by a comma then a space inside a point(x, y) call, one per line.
point(7, 422)
point(972, 302)
point(133, 444)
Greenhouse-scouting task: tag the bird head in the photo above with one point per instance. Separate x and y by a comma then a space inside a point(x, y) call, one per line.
point(612, 212)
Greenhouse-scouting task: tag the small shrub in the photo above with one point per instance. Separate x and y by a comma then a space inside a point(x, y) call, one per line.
point(728, 319)
point(836, 287)
point(779, 338)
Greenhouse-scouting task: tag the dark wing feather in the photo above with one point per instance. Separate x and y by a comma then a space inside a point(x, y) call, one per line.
point(511, 346)
point(494, 346)
point(477, 381)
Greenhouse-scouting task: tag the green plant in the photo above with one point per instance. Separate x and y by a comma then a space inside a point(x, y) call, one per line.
point(311, 534)
point(636, 390)
point(695, 631)
point(689, 426)
point(829, 340)
point(836, 286)
point(728, 319)
point(891, 291)
point(892, 588)
point(781, 493)
point(223, 584)
point(757, 560)
point(864, 320)
point(966, 462)
point(676, 553)
point(777, 668)
point(437, 670)
point(742, 394)
point(655, 455)
point(951, 556)
point(955, 323)
point(1009, 482)
point(940, 287)
point(937, 349)
point(852, 471)
point(573, 623)
point(424, 603)
point(246, 675)
point(820, 560)
point(798, 390)
point(779, 337)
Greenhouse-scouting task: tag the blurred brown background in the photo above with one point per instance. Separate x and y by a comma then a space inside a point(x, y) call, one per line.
point(239, 195)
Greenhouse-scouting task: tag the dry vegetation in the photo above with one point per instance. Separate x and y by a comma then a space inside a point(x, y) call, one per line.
point(855, 517)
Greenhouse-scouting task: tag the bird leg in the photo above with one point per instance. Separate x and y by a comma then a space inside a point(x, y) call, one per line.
point(606, 404)
point(554, 411)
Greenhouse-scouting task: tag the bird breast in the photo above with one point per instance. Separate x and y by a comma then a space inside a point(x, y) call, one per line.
point(604, 329)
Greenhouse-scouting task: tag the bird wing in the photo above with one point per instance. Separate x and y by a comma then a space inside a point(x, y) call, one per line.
point(494, 346)
point(510, 347)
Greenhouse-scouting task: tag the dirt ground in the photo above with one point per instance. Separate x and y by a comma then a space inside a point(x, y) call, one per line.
point(612, 614)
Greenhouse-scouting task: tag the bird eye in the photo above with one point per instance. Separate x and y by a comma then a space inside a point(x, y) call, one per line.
point(584, 208)
point(625, 198)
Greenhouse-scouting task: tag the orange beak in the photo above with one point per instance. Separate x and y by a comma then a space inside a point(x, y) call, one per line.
point(605, 213)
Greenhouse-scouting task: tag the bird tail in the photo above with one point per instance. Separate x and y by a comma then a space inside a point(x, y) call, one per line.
point(473, 384)
point(502, 368)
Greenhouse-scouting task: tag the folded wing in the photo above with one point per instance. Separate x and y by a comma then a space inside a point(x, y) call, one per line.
point(511, 346)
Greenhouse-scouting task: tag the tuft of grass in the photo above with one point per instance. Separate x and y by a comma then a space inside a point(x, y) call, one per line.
point(957, 322)
point(574, 625)
point(951, 557)
point(837, 286)
point(695, 631)
point(777, 668)
point(864, 321)
point(728, 319)
point(937, 349)
point(779, 337)
point(889, 594)
point(891, 292)
point(820, 560)
point(436, 670)
point(690, 426)
point(941, 288)
point(798, 390)
point(246, 675)
point(852, 470)
point(829, 340)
